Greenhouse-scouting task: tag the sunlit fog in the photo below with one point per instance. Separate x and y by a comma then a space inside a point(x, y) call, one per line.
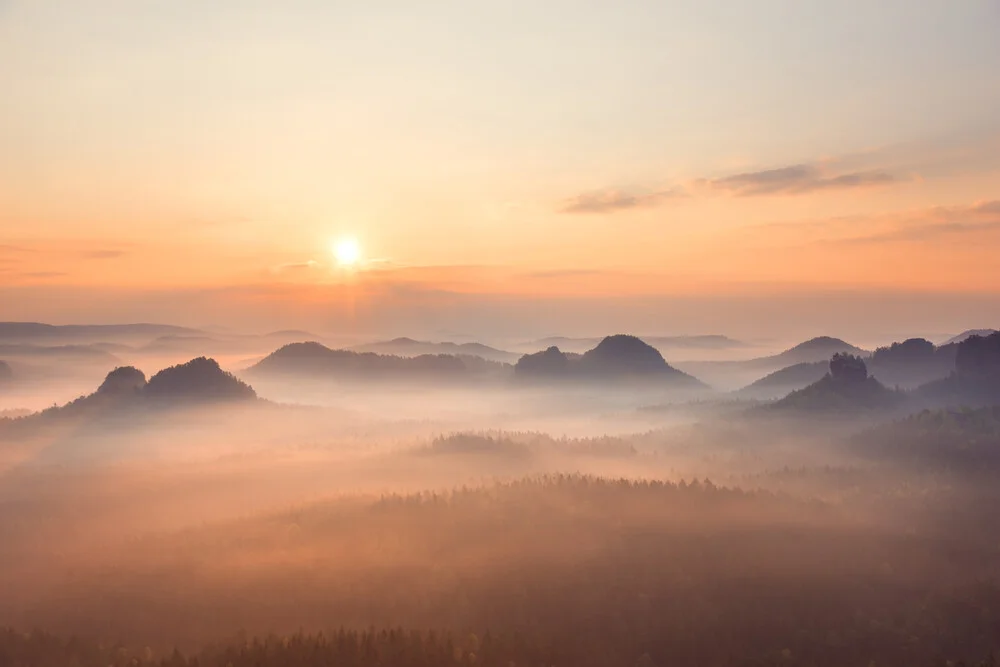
point(499, 334)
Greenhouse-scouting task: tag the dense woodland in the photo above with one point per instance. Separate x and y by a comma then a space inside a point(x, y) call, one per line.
point(559, 570)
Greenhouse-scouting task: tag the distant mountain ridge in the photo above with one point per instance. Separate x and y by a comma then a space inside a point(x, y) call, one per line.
point(408, 347)
point(37, 331)
point(313, 359)
point(737, 374)
point(966, 334)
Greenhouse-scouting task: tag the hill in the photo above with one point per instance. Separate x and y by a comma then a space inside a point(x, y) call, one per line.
point(913, 362)
point(732, 375)
point(781, 382)
point(847, 387)
point(125, 391)
point(975, 380)
point(618, 357)
point(316, 360)
point(982, 333)
point(200, 379)
point(815, 349)
point(905, 365)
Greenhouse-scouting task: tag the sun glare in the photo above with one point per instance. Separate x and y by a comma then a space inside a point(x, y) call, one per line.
point(348, 252)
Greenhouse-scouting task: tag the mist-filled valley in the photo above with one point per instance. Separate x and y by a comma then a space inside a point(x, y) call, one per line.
point(303, 502)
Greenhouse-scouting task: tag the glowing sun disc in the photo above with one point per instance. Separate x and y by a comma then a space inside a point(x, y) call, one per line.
point(347, 252)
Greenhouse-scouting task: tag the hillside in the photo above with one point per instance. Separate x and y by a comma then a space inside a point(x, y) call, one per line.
point(200, 379)
point(912, 362)
point(975, 380)
point(814, 349)
point(955, 437)
point(781, 382)
point(847, 387)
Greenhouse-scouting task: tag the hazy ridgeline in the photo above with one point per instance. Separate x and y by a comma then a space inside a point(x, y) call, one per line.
point(570, 520)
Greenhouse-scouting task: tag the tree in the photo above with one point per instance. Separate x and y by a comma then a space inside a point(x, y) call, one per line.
point(846, 367)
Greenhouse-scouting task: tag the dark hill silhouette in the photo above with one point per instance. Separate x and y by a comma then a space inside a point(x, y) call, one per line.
point(913, 362)
point(316, 360)
point(623, 355)
point(197, 380)
point(549, 363)
point(616, 357)
point(976, 378)
point(123, 380)
point(847, 387)
point(6, 373)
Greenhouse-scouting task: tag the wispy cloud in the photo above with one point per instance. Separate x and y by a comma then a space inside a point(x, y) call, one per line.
point(938, 224)
point(14, 249)
point(564, 273)
point(43, 274)
point(797, 179)
point(295, 266)
point(612, 201)
point(103, 254)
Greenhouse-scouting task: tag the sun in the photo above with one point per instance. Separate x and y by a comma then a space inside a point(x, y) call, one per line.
point(348, 252)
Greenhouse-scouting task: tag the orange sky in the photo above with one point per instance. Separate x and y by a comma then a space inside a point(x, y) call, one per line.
point(657, 151)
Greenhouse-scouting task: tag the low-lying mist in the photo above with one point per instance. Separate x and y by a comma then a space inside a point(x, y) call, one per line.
point(579, 523)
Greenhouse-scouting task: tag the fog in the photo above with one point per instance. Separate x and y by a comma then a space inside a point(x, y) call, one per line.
point(576, 521)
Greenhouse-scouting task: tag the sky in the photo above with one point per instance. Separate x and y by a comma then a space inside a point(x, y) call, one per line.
point(669, 167)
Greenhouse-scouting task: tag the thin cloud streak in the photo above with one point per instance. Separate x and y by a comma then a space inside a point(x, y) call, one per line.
point(103, 254)
point(613, 201)
point(797, 179)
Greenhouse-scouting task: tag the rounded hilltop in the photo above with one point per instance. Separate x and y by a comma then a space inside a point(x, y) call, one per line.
point(198, 379)
point(624, 354)
point(616, 357)
point(123, 380)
